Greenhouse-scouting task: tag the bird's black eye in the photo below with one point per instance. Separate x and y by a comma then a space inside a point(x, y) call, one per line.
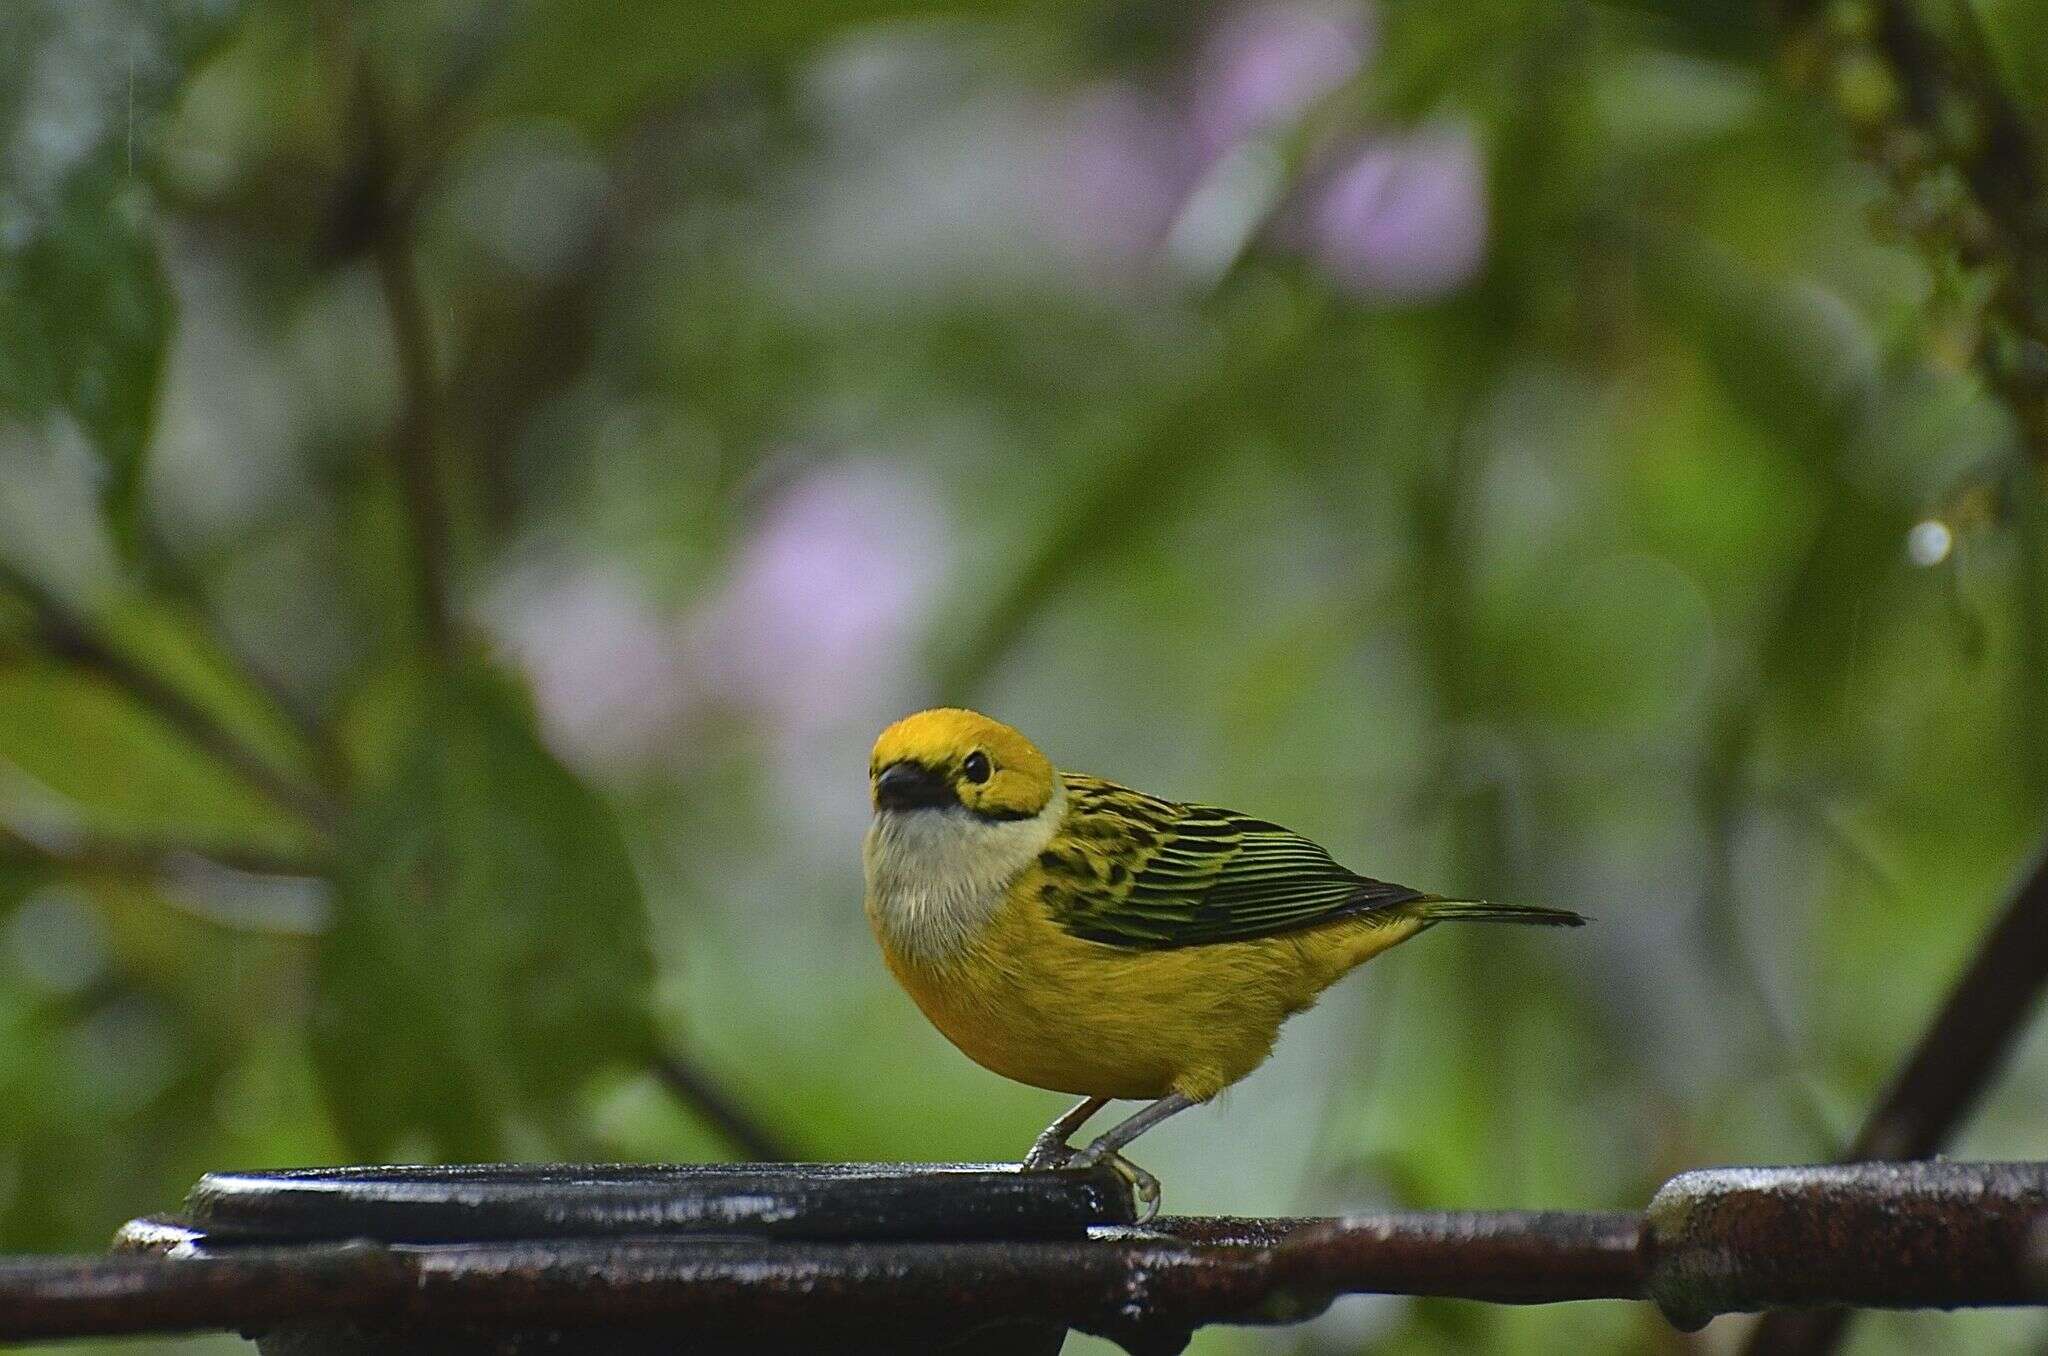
point(977, 767)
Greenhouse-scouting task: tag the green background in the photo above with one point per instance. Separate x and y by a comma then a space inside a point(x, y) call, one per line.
point(784, 374)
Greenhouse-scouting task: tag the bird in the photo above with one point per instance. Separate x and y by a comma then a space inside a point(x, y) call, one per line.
point(1084, 937)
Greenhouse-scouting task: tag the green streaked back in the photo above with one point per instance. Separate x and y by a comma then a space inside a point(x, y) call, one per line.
point(1134, 870)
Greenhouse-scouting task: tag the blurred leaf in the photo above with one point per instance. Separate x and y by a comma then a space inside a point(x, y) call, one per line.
point(125, 769)
point(1621, 641)
point(132, 1033)
point(19, 877)
point(17, 626)
point(2017, 31)
point(1803, 370)
point(488, 953)
point(1717, 28)
point(1791, 357)
point(597, 65)
point(84, 315)
point(170, 641)
point(85, 312)
point(110, 1077)
point(1145, 456)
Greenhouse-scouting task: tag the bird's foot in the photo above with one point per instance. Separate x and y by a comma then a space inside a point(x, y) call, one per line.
point(1050, 1150)
point(1143, 1184)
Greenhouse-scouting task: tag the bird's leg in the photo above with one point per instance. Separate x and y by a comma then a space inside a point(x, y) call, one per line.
point(1050, 1149)
point(1129, 1128)
point(1109, 1142)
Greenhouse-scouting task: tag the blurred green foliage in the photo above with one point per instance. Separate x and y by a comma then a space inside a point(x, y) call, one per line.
point(488, 949)
point(1503, 441)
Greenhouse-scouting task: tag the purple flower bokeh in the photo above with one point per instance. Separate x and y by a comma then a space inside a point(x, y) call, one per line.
point(1402, 216)
point(602, 660)
point(1123, 166)
point(1263, 65)
point(825, 599)
point(814, 627)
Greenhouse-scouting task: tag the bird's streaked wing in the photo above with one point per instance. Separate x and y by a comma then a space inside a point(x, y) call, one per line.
point(1134, 870)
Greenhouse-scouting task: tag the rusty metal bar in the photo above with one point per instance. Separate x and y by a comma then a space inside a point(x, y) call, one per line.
point(1874, 1235)
point(46, 1297)
point(1504, 1256)
point(1724, 1240)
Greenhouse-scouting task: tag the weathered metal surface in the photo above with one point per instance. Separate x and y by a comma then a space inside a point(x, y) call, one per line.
point(1148, 1293)
point(482, 1202)
point(1246, 1231)
point(118, 1296)
point(1877, 1235)
point(352, 1339)
point(1897, 1235)
point(1505, 1256)
point(157, 1236)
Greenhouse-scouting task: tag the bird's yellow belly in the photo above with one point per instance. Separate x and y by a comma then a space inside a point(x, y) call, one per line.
point(1034, 1003)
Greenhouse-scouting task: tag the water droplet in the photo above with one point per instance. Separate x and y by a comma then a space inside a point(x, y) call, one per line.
point(1929, 542)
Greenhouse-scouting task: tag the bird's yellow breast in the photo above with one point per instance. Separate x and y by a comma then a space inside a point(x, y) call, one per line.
point(1032, 1002)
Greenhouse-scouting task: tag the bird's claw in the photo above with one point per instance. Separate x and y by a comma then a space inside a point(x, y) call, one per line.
point(1047, 1154)
point(1050, 1151)
point(1143, 1184)
point(1044, 1157)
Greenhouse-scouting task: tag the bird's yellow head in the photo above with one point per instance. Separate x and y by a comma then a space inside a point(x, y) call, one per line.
point(950, 757)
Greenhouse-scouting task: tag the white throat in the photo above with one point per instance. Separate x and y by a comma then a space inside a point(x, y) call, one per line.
point(936, 877)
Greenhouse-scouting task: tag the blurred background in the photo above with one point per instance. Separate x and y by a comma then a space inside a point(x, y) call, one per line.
point(474, 478)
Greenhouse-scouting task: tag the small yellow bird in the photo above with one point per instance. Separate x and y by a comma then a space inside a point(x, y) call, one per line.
point(1077, 935)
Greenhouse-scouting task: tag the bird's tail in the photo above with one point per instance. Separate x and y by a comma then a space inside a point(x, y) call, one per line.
point(1435, 910)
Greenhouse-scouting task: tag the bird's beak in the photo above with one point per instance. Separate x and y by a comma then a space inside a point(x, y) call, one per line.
point(911, 786)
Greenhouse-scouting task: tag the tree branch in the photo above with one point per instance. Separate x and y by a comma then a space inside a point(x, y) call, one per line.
point(715, 1106)
point(414, 440)
point(378, 210)
point(1965, 164)
point(182, 583)
point(1933, 1093)
point(1968, 177)
point(1963, 1049)
point(149, 857)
